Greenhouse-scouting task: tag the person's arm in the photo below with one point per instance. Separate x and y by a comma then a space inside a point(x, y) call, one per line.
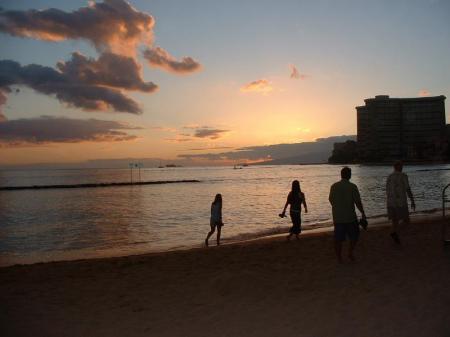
point(409, 193)
point(285, 206)
point(220, 214)
point(358, 202)
point(304, 203)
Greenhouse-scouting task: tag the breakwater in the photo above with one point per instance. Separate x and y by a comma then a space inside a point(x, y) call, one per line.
point(94, 185)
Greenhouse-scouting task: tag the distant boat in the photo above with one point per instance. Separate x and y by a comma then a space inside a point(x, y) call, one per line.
point(245, 165)
point(160, 165)
point(237, 167)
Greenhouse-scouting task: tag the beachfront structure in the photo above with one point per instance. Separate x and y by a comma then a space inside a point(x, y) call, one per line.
point(411, 129)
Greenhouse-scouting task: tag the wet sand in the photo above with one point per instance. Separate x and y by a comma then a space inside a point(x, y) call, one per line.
point(267, 287)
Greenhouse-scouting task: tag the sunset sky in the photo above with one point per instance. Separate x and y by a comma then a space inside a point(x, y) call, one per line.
point(170, 79)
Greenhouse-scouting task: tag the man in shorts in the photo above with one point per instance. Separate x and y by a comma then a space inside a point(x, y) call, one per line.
point(397, 190)
point(344, 196)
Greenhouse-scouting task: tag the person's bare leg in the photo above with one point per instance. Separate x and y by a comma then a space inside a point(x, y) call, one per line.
point(289, 236)
point(352, 248)
point(338, 250)
point(211, 232)
point(219, 230)
point(297, 237)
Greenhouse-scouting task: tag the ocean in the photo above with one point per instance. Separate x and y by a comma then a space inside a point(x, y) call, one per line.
point(61, 224)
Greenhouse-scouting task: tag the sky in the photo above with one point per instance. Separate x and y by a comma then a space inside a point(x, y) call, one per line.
point(177, 80)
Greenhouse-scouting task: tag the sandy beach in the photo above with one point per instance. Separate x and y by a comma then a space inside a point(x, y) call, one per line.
point(267, 287)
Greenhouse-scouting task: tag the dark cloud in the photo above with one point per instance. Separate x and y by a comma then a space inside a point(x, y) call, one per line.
point(45, 129)
point(317, 151)
point(112, 25)
point(108, 70)
point(197, 132)
point(158, 57)
point(81, 82)
point(115, 28)
point(209, 133)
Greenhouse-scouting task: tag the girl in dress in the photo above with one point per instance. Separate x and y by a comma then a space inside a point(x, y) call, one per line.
point(216, 219)
point(295, 198)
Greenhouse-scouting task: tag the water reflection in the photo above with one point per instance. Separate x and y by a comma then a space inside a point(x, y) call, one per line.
point(128, 219)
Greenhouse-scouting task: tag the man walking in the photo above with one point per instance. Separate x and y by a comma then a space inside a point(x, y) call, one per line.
point(397, 189)
point(344, 195)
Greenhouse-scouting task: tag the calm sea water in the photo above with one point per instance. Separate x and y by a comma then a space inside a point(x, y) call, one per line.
point(44, 225)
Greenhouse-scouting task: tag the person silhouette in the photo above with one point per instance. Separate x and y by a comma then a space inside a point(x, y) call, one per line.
point(343, 197)
point(216, 219)
point(295, 198)
point(397, 191)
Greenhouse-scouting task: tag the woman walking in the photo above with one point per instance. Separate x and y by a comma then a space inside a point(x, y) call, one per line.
point(295, 198)
point(216, 219)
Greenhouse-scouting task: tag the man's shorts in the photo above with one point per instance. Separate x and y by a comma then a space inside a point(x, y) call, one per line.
point(342, 230)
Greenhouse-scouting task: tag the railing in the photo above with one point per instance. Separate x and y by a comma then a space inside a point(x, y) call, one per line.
point(445, 200)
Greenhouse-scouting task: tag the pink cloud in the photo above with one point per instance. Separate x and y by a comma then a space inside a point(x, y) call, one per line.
point(295, 74)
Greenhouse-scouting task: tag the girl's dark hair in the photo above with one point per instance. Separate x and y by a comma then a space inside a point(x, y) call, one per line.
point(296, 187)
point(218, 198)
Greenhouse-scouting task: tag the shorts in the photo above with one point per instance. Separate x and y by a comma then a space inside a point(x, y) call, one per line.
point(215, 224)
point(398, 213)
point(342, 230)
point(296, 223)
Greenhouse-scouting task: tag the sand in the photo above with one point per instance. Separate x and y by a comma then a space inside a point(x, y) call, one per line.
point(266, 287)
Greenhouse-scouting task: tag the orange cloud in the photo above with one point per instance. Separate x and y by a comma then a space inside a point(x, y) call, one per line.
point(259, 86)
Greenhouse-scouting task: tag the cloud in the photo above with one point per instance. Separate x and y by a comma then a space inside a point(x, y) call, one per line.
point(159, 58)
point(209, 133)
point(179, 139)
point(259, 86)
point(424, 93)
point(112, 25)
point(163, 128)
point(116, 29)
point(45, 129)
point(109, 69)
point(81, 82)
point(210, 148)
point(194, 132)
point(306, 152)
point(295, 74)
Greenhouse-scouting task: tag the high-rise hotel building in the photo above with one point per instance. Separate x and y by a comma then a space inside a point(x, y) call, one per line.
point(411, 129)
